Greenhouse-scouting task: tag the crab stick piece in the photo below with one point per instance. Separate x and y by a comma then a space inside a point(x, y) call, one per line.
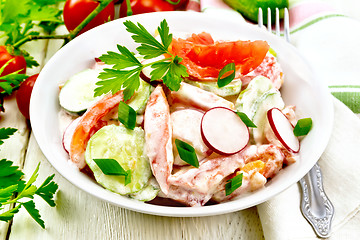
point(158, 137)
point(199, 98)
point(90, 122)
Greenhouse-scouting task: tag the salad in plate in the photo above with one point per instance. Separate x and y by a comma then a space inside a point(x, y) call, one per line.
point(191, 119)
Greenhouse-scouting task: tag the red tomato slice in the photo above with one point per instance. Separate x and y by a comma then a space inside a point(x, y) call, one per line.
point(204, 58)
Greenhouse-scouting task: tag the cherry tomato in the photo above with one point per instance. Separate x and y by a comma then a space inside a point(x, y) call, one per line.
point(23, 95)
point(75, 11)
point(146, 6)
point(18, 63)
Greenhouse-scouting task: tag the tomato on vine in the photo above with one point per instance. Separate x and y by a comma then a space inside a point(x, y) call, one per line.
point(146, 6)
point(23, 95)
point(18, 62)
point(75, 11)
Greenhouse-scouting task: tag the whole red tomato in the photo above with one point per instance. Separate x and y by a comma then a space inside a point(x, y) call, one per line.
point(18, 63)
point(23, 95)
point(75, 11)
point(146, 6)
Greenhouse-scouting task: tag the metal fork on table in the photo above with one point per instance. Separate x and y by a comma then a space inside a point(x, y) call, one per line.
point(315, 205)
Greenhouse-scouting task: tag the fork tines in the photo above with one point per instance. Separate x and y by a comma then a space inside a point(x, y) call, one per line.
point(277, 22)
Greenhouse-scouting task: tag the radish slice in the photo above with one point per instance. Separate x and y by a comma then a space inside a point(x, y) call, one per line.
point(283, 130)
point(69, 132)
point(145, 74)
point(223, 131)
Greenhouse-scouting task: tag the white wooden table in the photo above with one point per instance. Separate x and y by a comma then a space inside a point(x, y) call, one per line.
point(78, 215)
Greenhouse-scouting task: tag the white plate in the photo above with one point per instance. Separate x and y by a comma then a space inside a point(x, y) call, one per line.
point(301, 88)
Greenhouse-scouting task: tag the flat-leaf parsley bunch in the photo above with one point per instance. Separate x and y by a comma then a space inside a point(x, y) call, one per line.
point(14, 190)
point(125, 73)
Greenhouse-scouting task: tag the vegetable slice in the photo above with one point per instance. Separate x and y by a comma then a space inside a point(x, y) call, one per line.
point(223, 131)
point(127, 115)
point(283, 130)
point(233, 184)
point(127, 148)
point(77, 94)
point(303, 127)
point(187, 153)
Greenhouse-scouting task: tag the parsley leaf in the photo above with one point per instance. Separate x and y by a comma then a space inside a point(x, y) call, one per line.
point(47, 190)
point(5, 133)
point(34, 213)
point(8, 215)
point(13, 189)
point(9, 175)
point(125, 73)
point(149, 46)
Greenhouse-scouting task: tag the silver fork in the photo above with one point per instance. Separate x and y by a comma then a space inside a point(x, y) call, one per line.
point(315, 205)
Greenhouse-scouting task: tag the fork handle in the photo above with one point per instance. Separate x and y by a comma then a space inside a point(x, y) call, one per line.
point(315, 205)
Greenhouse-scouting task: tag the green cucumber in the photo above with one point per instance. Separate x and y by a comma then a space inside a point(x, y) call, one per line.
point(148, 193)
point(250, 8)
point(256, 88)
point(77, 94)
point(268, 100)
point(140, 97)
point(231, 89)
point(125, 146)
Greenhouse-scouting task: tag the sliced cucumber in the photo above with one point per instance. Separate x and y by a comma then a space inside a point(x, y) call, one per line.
point(140, 98)
point(256, 88)
point(125, 146)
point(148, 193)
point(268, 100)
point(231, 89)
point(77, 94)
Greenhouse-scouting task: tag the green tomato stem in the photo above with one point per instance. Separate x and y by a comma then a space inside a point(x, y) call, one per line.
point(173, 3)
point(103, 4)
point(129, 11)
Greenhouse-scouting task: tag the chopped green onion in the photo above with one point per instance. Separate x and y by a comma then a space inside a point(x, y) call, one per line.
point(229, 77)
point(187, 153)
point(233, 184)
point(246, 120)
point(272, 52)
point(111, 167)
point(128, 177)
point(303, 127)
point(127, 115)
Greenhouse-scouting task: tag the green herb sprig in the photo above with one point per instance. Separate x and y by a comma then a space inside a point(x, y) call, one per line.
point(14, 190)
point(125, 73)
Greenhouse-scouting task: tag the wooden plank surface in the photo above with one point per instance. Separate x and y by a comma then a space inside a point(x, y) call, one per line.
point(79, 215)
point(15, 147)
